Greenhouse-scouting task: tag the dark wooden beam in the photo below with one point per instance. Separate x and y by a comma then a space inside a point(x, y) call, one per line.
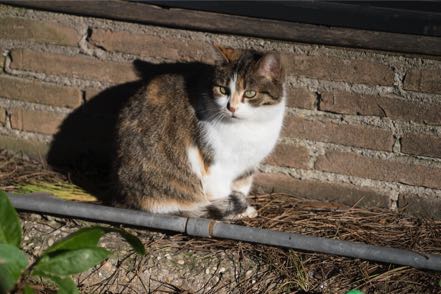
point(240, 25)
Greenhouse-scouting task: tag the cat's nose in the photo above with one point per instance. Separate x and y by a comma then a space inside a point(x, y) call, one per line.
point(231, 108)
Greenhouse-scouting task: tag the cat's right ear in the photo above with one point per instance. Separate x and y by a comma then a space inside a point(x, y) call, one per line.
point(227, 54)
point(270, 66)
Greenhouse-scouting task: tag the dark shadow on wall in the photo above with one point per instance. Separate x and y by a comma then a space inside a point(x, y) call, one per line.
point(83, 148)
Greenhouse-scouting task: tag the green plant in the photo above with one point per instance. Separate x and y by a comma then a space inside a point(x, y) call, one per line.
point(74, 254)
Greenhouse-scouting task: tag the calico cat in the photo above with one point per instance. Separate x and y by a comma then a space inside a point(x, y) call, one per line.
point(189, 146)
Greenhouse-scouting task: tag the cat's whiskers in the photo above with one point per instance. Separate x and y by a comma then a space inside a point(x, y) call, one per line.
point(213, 114)
point(217, 118)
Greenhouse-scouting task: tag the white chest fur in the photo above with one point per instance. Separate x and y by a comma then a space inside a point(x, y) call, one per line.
point(238, 146)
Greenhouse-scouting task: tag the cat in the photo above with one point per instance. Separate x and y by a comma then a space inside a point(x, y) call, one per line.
point(190, 146)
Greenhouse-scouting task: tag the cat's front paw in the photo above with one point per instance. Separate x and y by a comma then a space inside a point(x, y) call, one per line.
point(250, 212)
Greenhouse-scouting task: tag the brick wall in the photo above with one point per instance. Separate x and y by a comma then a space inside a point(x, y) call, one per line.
point(362, 127)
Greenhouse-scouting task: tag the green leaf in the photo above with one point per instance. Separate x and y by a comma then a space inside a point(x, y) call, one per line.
point(28, 290)
point(10, 229)
point(2, 237)
point(65, 286)
point(12, 262)
point(83, 238)
point(69, 262)
point(89, 237)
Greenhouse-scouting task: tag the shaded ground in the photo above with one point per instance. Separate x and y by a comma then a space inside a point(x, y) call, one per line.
point(177, 263)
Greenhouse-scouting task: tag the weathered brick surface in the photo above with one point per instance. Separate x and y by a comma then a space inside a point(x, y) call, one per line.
point(423, 80)
point(339, 192)
point(377, 169)
point(83, 67)
point(89, 93)
point(289, 155)
point(153, 46)
point(2, 60)
point(332, 68)
point(421, 144)
point(29, 147)
point(39, 92)
point(300, 98)
point(35, 121)
point(370, 105)
point(343, 134)
point(38, 31)
point(421, 206)
point(2, 116)
point(313, 72)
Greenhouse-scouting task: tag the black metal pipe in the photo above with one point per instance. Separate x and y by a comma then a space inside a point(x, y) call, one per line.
point(44, 203)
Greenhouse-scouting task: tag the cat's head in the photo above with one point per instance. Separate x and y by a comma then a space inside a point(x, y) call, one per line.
point(248, 85)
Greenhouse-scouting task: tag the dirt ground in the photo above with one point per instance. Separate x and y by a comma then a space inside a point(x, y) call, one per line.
point(176, 263)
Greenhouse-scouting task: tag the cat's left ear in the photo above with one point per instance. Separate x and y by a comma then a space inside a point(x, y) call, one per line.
point(270, 66)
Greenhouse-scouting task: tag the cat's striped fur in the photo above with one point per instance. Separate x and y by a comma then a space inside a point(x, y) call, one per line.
point(189, 145)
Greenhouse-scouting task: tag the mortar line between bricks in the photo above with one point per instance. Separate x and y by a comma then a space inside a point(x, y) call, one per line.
point(8, 123)
point(367, 121)
point(80, 50)
point(85, 45)
point(322, 84)
point(36, 46)
point(57, 80)
point(369, 153)
point(392, 92)
point(377, 185)
point(13, 103)
point(318, 100)
point(19, 134)
point(83, 98)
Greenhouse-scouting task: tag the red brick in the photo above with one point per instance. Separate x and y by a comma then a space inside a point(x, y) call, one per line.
point(343, 134)
point(300, 98)
point(421, 144)
point(153, 46)
point(2, 116)
point(36, 121)
point(83, 67)
point(423, 80)
point(289, 156)
point(359, 71)
point(38, 31)
point(2, 60)
point(339, 192)
point(379, 169)
point(89, 93)
point(38, 92)
point(370, 105)
point(420, 206)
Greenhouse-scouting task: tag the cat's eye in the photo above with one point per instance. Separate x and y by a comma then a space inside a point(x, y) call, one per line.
point(222, 90)
point(249, 94)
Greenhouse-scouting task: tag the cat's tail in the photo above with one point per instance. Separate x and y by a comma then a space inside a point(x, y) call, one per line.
point(234, 207)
